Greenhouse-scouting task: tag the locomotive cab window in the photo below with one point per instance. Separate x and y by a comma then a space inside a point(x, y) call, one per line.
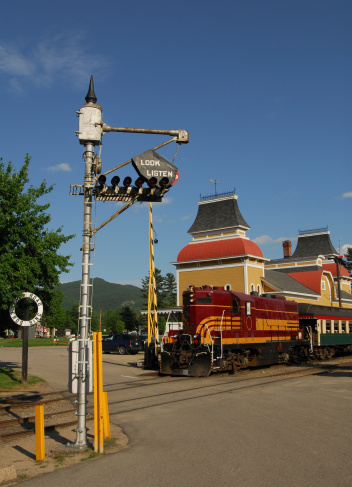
point(248, 308)
point(204, 300)
point(235, 306)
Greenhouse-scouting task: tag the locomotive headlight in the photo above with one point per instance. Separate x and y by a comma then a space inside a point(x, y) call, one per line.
point(196, 340)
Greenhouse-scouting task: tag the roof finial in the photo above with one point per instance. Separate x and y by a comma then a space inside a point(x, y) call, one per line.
point(215, 182)
point(91, 98)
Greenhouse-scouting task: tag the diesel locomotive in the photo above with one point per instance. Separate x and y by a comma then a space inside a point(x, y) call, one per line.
point(224, 330)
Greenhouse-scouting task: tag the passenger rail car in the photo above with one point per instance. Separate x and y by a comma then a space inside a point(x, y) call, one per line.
point(329, 329)
point(227, 330)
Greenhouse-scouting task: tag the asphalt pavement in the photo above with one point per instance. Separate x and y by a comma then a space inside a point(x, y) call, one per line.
point(295, 433)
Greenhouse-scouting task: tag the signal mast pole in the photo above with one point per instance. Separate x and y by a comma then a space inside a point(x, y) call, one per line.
point(90, 132)
point(89, 136)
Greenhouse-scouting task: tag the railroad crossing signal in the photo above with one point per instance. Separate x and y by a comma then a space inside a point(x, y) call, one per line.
point(90, 131)
point(155, 169)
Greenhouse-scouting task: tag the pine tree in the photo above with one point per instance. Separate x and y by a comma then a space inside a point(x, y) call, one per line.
point(169, 291)
point(159, 283)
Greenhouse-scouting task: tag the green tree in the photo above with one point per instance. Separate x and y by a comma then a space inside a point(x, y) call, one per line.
point(56, 315)
point(159, 284)
point(111, 321)
point(169, 290)
point(29, 258)
point(161, 324)
point(72, 318)
point(348, 261)
point(128, 316)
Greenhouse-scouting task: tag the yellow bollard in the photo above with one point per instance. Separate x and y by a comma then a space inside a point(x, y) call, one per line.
point(100, 393)
point(39, 433)
point(107, 433)
point(96, 410)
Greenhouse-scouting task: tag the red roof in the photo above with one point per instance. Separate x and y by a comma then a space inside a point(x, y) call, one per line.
point(332, 268)
point(217, 249)
point(310, 279)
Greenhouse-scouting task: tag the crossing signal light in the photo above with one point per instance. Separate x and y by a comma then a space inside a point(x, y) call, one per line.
point(139, 182)
point(127, 181)
point(115, 181)
point(102, 180)
point(164, 182)
point(152, 182)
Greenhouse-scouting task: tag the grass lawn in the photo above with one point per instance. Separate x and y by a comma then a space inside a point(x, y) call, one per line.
point(11, 379)
point(34, 342)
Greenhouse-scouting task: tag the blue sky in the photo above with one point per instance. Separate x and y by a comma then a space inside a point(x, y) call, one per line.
point(262, 86)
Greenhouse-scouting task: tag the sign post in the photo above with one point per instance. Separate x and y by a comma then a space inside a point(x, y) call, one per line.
point(25, 324)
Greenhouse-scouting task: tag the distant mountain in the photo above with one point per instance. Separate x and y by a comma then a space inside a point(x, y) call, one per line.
point(106, 295)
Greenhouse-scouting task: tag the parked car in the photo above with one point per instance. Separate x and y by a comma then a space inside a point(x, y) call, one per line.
point(122, 343)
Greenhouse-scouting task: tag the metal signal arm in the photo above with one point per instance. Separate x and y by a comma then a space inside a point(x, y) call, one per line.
point(182, 136)
point(121, 210)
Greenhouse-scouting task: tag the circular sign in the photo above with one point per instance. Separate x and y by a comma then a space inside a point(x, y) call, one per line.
point(37, 317)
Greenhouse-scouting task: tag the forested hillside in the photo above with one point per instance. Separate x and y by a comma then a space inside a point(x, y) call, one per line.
point(106, 295)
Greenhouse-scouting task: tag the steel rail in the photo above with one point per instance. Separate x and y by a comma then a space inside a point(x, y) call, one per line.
point(9, 436)
point(235, 388)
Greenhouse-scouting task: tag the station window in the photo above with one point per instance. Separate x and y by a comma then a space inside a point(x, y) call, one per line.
point(258, 289)
point(227, 287)
point(252, 287)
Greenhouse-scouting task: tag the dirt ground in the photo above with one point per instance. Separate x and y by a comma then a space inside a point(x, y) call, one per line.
point(18, 455)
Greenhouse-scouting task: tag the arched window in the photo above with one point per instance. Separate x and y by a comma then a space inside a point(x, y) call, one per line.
point(227, 287)
point(258, 289)
point(252, 287)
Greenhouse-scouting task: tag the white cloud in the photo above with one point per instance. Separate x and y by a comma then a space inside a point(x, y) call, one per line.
point(167, 200)
point(186, 217)
point(267, 240)
point(344, 248)
point(60, 167)
point(59, 57)
point(14, 63)
point(347, 195)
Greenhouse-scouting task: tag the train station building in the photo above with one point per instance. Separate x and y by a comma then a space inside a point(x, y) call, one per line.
point(220, 254)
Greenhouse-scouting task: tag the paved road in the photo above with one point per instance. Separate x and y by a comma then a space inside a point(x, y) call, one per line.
point(295, 433)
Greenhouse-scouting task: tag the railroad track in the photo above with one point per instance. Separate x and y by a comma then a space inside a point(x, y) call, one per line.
point(17, 424)
point(192, 392)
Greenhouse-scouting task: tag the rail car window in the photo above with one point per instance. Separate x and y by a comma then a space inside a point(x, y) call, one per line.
point(204, 300)
point(328, 327)
point(248, 308)
point(336, 326)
